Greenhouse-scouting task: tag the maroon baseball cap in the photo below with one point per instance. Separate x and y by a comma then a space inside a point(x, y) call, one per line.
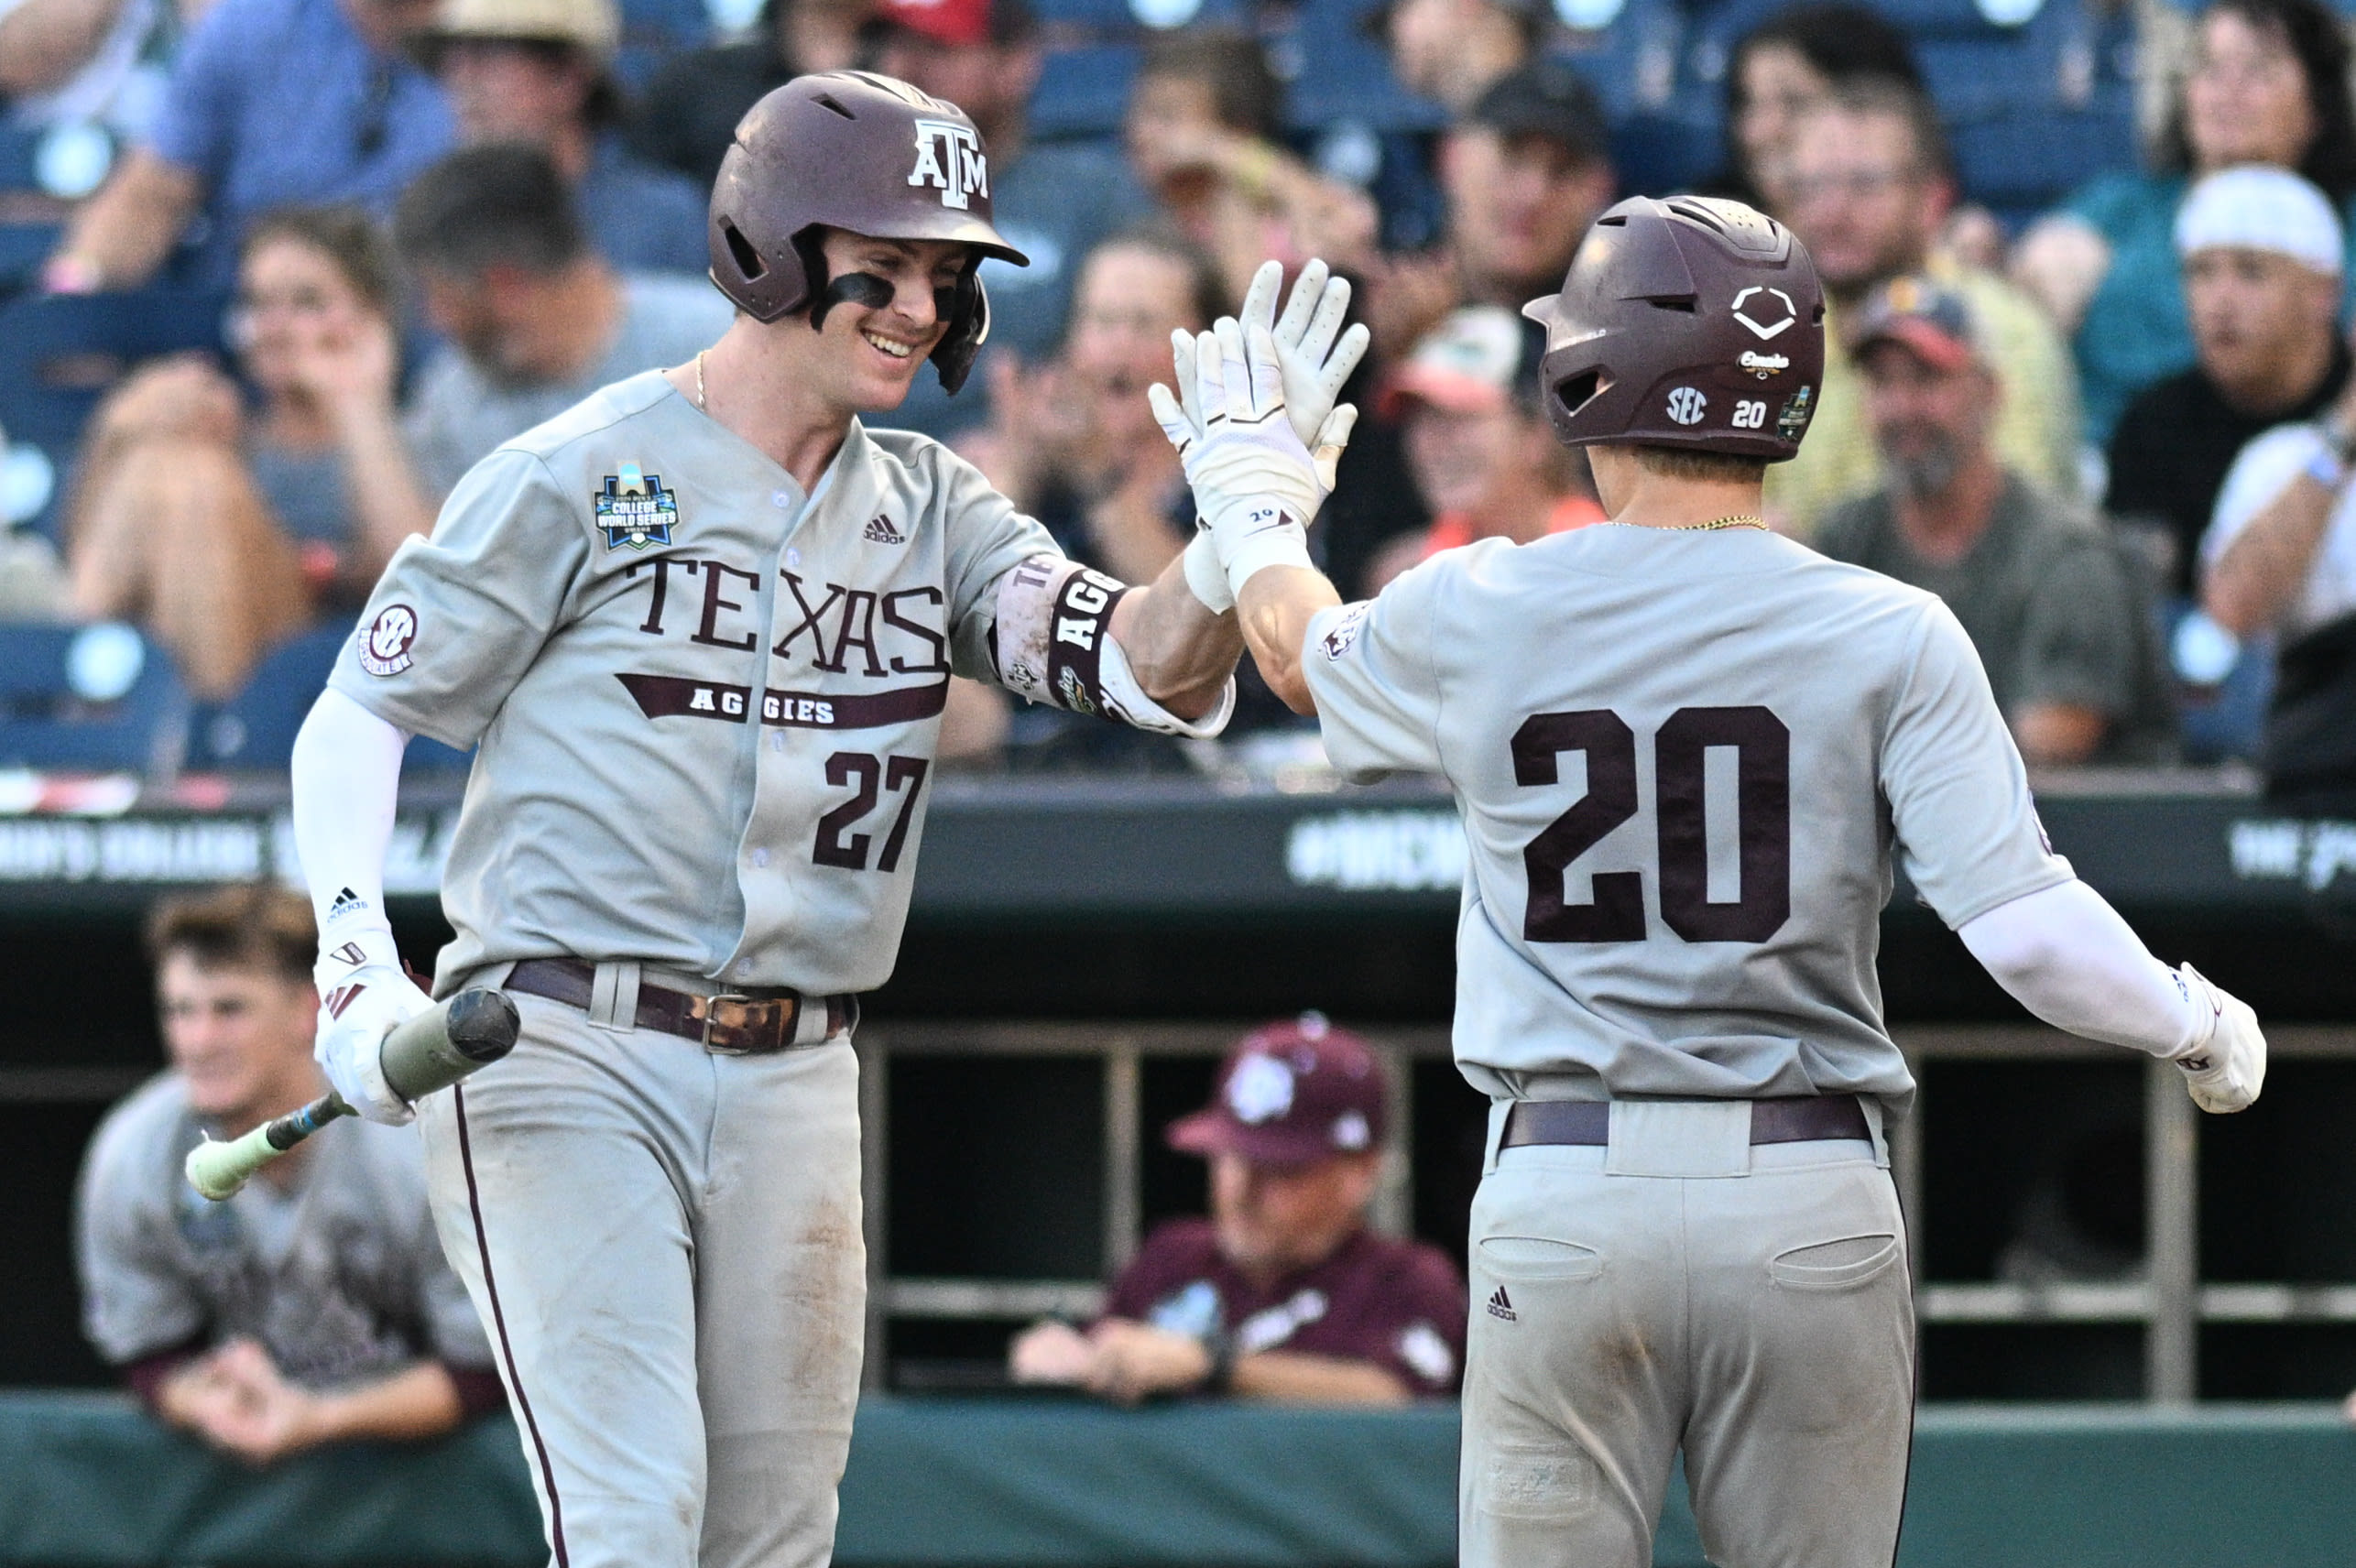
point(1290, 1094)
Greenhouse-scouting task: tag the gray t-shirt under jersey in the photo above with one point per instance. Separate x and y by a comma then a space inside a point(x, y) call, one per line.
point(340, 1280)
point(1684, 760)
point(459, 414)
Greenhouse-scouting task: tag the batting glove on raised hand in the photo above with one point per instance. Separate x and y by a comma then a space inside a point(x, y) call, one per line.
point(1315, 357)
point(364, 995)
point(1256, 481)
point(2225, 1065)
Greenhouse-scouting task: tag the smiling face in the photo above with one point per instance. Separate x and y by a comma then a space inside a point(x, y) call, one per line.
point(291, 296)
point(240, 1036)
point(1126, 303)
point(867, 355)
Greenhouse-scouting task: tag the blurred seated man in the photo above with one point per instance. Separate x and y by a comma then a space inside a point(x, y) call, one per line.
point(2279, 559)
point(2261, 252)
point(1870, 183)
point(536, 318)
point(312, 1307)
point(1283, 1293)
point(221, 529)
point(1204, 121)
point(542, 72)
point(1052, 201)
point(2043, 591)
point(1522, 174)
point(1479, 443)
point(271, 103)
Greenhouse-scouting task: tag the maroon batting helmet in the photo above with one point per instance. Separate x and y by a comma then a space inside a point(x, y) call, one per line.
point(1692, 322)
point(853, 149)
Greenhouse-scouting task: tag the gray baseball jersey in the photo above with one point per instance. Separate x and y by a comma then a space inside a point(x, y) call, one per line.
point(708, 704)
point(1684, 760)
point(341, 1278)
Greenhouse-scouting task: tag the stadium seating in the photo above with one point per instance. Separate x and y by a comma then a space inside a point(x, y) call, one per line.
point(61, 355)
point(99, 697)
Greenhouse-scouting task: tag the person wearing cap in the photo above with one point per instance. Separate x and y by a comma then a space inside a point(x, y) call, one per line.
point(1477, 440)
point(688, 113)
point(271, 103)
point(1522, 175)
point(1055, 200)
point(2044, 593)
point(542, 72)
point(1285, 1293)
point(2263, 257)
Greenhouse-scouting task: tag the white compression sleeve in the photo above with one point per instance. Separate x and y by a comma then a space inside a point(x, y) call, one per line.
point(347, 775)
point(2065, 955)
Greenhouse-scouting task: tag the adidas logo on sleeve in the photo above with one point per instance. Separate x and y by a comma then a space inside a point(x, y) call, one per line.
point(1501, 1306)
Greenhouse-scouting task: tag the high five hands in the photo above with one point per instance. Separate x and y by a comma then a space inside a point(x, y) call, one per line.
point(1259, 479)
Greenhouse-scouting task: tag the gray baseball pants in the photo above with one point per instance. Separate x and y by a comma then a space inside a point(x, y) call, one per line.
point(664, 1245)
point(1681, 1288)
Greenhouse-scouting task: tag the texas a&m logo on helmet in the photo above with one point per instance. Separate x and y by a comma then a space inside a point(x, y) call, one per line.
point(949, 159)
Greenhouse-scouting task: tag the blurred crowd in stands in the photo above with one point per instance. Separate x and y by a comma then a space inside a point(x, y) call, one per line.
point(2088, 375)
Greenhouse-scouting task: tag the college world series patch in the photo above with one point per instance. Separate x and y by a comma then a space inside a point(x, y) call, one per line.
point(634, 509)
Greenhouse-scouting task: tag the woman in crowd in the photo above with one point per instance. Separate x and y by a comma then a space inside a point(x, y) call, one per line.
point(1784, 66)
point(1201, 132)
point(226, 527)
point(2268, 85)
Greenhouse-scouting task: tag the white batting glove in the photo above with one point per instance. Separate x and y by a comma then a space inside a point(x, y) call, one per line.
point(2225, 1065)
point(364, 995)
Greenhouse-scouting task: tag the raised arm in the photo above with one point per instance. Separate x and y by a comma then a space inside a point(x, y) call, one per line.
point(2264, 566)
point(1181, 650)
point(123, 234)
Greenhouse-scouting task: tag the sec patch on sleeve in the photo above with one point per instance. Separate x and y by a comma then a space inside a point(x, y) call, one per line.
point(386, 641)
point(1342, 635)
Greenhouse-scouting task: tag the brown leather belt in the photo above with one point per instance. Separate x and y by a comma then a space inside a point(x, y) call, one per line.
point(1804, 1118)
point(733, 1023)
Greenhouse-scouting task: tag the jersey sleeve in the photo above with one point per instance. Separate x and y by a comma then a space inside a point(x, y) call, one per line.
point(1422, 1336)
point(1968, 833)
point(134, 1301)
point(988, 539)
point(457, 618)
point(1372, 668)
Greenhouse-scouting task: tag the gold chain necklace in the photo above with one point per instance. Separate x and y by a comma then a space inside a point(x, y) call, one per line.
point(1739, 520)
point(699, 381)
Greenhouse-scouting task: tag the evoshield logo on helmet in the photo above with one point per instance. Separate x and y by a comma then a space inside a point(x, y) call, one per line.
point(1772, 327)
point(1686, 406)
point(949, 159)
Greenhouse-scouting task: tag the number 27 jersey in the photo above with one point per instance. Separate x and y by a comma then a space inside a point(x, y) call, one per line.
point(1685, 760)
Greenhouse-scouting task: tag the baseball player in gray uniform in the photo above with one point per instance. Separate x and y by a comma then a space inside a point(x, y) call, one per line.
point(1685, 751)
point(702, 626)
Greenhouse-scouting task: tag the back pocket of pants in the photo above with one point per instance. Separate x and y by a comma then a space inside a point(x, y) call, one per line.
point(1841, 1265)
point(1537, 1257)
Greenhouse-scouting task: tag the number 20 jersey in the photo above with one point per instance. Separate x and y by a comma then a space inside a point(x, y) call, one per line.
point(1684, 760)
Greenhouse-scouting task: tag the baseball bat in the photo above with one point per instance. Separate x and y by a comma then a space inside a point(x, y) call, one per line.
point(432, 1051)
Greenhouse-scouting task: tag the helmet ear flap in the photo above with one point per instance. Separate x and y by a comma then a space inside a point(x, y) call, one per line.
point(966, 305)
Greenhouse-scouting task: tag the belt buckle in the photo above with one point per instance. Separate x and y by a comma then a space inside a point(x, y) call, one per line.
point(708, 1011)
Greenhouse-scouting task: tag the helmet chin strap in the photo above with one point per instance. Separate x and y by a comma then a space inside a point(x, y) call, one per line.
point(857, 288)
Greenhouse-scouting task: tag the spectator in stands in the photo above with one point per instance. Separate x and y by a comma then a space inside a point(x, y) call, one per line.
point(72, 61)
point(2279, 560)
point(688, 114)
point(1870, 184)
point(1523, 174)
point(313, 1307)
point(225, 530)
point(542, 72)
point(2262, 254)
point(1283, 1293)
point(2269, 85)
point(1479, 442)
point(1451, 52)
point(1052, 202)
point(1201, 132)
point(1785, 67)
point(2047, 596)
point(536, 320)
point(272, 102)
